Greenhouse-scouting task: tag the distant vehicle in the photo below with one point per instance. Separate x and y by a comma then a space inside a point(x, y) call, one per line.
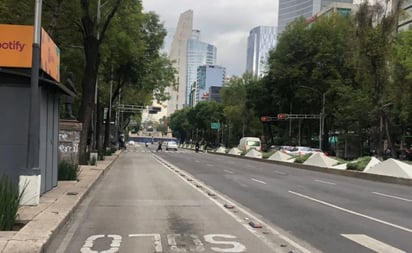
point(299, 150)
point(171, 145)
point(130, 143)
point(247, 143)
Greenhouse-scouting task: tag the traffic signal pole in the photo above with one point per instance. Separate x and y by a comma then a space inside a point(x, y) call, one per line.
point(284, 116)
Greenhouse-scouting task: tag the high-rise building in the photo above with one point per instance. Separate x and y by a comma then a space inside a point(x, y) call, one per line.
point(177, 54)
point(260, 41)
point(289, 10)
point(405, 20)
point(198, 53)
point(208, 76)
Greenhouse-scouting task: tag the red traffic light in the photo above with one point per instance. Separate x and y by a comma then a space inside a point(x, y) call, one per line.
point(282, 116)
point(264, 119)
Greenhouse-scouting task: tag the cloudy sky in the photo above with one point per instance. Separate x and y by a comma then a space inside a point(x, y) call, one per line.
point(223, 23)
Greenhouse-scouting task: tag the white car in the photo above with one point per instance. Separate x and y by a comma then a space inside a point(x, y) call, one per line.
point(171, 145)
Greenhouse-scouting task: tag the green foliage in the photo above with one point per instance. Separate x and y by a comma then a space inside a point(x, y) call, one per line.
point(266, 155)
point(68, 170)
point(302, 158)
point(359, 164)
point(9, 203)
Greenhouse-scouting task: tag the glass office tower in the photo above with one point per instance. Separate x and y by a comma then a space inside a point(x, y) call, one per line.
point(260, 41)
point(289, 10)
point(208, 76)
point(198, 53)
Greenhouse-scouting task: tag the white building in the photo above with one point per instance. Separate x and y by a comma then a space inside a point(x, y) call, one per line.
point(178, 56)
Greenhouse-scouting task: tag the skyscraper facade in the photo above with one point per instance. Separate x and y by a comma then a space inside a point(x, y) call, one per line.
point(289, 10)
point(208, 76)
point(177, 54)
point(405, 20)
point(198, 53)
point(260, 41)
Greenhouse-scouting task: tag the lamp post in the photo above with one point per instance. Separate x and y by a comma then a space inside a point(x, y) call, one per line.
point(34, 112)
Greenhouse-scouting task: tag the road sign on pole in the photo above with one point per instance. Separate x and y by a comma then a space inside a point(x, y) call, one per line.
point(215, 125)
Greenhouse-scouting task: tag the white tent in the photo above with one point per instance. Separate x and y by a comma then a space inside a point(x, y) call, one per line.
point(320, 160)
point(235, 151)
point(253, 153)
point(392, 167)
point(281, 156)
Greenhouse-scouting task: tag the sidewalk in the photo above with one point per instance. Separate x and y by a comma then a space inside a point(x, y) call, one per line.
point(54, 209)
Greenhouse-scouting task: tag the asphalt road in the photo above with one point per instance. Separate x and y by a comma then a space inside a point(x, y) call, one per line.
point(333, 213)
point(142, 204)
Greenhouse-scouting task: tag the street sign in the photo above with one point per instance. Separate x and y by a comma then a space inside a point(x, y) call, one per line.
point(215, 125)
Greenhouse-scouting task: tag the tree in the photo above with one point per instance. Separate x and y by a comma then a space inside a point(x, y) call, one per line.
point(375, 30)
point(133, 63)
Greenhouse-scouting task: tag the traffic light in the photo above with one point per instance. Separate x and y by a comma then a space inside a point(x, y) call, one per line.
point(264, 119)
point(283, 116)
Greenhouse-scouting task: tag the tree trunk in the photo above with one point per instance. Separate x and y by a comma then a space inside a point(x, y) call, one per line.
point(88, 90)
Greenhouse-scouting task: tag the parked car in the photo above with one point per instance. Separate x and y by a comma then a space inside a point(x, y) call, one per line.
point(171, 145)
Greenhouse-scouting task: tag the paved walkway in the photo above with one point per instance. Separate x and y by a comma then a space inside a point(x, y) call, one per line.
point(54, 209)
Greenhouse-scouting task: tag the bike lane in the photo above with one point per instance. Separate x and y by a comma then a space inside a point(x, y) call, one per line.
point(143, 204)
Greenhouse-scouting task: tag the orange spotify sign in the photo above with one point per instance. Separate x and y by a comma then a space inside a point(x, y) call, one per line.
point(16, 46)
point(16, 49)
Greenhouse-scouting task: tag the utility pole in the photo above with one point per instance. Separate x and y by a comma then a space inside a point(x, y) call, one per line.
point(34, 116)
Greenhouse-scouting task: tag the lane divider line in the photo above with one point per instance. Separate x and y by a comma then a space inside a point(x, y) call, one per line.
point(391, 196)
point(302, 249)
point(324, 182)
point(254, 179)
point(372, 243)
point(228, 171)
point(279, 172)
point(352, 212)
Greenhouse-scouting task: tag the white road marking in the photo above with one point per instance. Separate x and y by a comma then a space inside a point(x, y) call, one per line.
point(114, 245)
point(253, 179)
point(228, 171)
point(324, 182)
point(391, 196)
point(279, 172)
point(352, 212)
point(372, 244)
point(296, 245)
point(156, 239)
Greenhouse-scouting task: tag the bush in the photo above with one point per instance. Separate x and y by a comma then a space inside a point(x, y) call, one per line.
point(9, 203)
point(359, 164)
point(68, 170)
point(302, 158)
point(93, 161)
point(266, 155)
point(101, 155)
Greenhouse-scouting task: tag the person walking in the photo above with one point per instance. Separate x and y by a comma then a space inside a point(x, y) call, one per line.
point(159, 147)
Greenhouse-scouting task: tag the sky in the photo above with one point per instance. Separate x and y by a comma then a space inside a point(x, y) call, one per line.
point(223, 23)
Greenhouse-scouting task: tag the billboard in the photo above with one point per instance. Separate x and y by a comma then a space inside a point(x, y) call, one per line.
point(16, 49)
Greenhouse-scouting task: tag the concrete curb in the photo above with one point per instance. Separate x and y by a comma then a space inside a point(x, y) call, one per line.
point(347, 173)
point(55, 208)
